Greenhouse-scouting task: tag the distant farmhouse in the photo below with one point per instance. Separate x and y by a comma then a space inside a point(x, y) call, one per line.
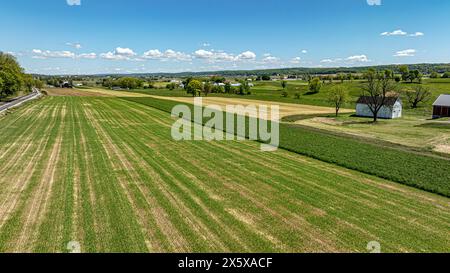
point(65, 84)
point(391, 109)
point(441, 107)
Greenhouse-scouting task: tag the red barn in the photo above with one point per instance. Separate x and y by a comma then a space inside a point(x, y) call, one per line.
point(441, 107)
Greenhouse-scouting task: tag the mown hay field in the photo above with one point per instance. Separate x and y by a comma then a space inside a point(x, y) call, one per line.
point(105, 172)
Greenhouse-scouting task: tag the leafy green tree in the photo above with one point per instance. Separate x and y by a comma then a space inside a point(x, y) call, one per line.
point(446, 75)
point(244, 88)
point(228, 88)
point(195, 87)
point(315, 85)
point(186, 82)
point(108, 83)
point(171, 86)
point(350, 77)
point(38, 84)
point(207, 88)
point(218, 79)
point(338, 97)
point(284, 84)
point(414, 74)
point(217, 89)
point(389, 74)
point(11, 75)
point(404, 70)
point(28, 82)
point(307, 77)
point(128, 83)
point(434, 75)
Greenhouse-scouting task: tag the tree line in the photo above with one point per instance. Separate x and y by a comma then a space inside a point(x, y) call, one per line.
point(197, 87)
point(13, 78)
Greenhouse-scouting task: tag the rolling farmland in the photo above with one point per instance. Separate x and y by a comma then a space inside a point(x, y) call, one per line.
point(105, 172)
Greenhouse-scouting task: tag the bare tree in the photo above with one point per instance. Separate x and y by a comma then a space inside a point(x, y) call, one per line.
point(417, 95)
point(376, 90)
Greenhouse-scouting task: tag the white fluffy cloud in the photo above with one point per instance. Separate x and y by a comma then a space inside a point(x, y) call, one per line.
point(15, 54)
point(220, 56)
point(295, 60)
point(347, 61)
point(124, 52)
point(329, 61)
point(119, 53)
point(176, 55)
point(417, 34)
point(156, 54)
point(73, 2)
point(304, 51)
point(358, 58)
point(405, 53)
point(269, 59)
point(89, 56)
point(74, 45)
point(203, 54)
point(397, 32)
point(46, 54)
point(374, 2)
point(400, 32)
point(247, 55)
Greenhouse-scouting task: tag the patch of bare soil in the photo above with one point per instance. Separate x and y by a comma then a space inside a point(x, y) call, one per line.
point(328, 121)
point(443, 148)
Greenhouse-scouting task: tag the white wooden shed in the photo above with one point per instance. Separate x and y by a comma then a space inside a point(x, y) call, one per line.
point(391, 109)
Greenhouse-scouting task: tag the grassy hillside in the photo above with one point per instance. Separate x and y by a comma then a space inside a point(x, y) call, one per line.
point(105, 172)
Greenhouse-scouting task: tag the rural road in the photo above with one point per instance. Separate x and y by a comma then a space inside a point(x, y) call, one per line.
point(35, 94)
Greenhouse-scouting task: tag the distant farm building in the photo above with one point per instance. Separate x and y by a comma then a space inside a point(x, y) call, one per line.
point(441, 107)
point(391, 109)
point(66, 85)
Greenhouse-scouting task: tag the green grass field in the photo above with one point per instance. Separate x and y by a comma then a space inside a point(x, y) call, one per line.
point(271, 91)
point(415, 129)
point(416, 167)
point(106, 173)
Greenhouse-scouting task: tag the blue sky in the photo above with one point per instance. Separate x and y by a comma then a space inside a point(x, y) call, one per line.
point(137, 36)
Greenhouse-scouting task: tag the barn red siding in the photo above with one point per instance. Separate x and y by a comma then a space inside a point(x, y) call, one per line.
point(441, 111)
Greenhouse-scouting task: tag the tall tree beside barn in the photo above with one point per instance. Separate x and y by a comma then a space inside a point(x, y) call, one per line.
point(377, 87)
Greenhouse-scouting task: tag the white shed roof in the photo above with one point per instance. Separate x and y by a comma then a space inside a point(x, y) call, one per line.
point(443, 100)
